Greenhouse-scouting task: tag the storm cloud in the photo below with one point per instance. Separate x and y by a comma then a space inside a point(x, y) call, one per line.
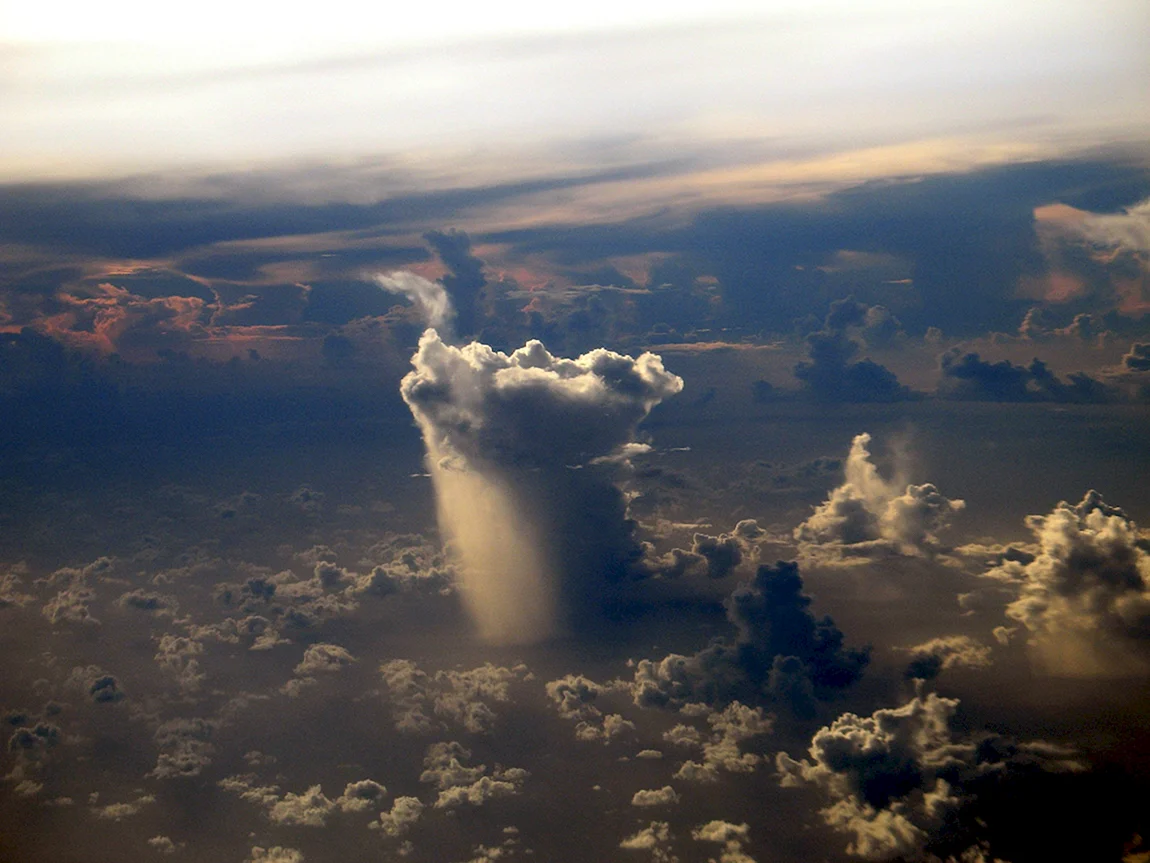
point(517, 447)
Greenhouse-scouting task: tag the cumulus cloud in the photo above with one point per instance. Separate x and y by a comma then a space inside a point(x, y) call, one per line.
point(111, 319)
point(1137, 359)
point(930, 658)
point(444, 767)
point(75, 593)
point(713, 556)
point(1084, 598)
point(164, 844)
point(665, 796)
point(573, 696)
point(311, 808)
point(868, 515)
point(317, 659)
point(781, 653)
point(655, 838)
point(178, 655)
point(893, 779)
point(275, 854)
point(423, 702)
point(466, 281)
point(721, 752)
point(404, 813)
point(511, 440)
point(117, 811)
point(96, 683)
point(185, 747)
point(10, 590)
point(733, 837)
point(967, 377)
point(833, 374)
point(147, 600)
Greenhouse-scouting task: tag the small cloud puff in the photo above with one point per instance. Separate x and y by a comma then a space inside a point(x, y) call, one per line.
point(930, 658)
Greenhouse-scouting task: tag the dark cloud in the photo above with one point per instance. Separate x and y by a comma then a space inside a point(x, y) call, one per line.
point(966, 376)
point(781, 653)
point(465, 281)
point(832, 373)
point(900, 779)
point(967, 239)
point(101, 219)
point(97, 684)
point(1137, 359)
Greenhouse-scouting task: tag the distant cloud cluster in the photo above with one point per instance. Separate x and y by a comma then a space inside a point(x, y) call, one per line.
point(422, 702)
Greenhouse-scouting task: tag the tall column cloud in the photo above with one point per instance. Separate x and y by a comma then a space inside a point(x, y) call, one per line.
point(517, 447)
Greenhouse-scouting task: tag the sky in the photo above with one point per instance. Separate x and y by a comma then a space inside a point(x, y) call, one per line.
point(619, 432)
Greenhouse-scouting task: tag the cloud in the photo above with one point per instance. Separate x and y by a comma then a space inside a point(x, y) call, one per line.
point(185, 747)
point(178, 655)
point(510, 443)
point(930, 658)
point(654, 838)
point(573, 696)
point(164, 845)
point(1084, 597)
point(461, 697)
point(10, 595)
point(275, 854)
point(465, 282)
point(665, 796)
point(404, 813)
point(96, 683)
point(781, 653)
point(869, 516)
point(721, 752)
point(967, 377)
point(117, 811)
point(111, 319)
point(311, 808)
point(1137, 359)
point(831, 374)
point(429, 297)
point(324, 659)
point(894, 779)
point(461, 785)
point(72, 602)
point(713, 556)
point(731, 836)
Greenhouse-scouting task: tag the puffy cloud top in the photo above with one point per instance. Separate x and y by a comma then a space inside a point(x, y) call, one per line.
point(895, 777)
point(530, 408)
point(1085, 597)
point(871, 515)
